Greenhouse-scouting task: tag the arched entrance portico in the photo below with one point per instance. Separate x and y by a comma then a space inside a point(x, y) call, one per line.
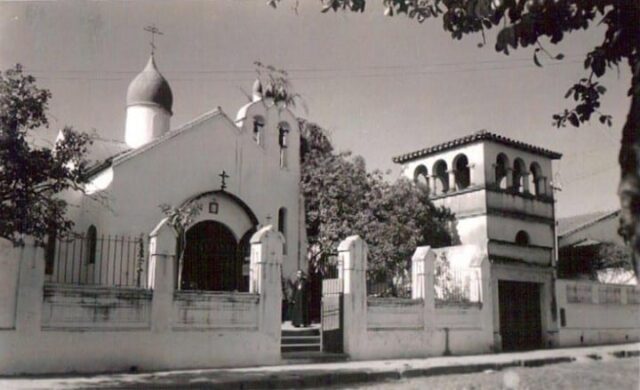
point(216, 245)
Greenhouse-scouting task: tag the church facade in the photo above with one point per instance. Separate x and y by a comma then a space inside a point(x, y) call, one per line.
point(234, 175)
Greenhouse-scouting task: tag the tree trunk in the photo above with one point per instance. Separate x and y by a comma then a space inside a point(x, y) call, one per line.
point(629, 159)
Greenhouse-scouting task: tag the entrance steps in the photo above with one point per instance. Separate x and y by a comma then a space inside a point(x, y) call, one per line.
point(298, 340)
point(304, 346)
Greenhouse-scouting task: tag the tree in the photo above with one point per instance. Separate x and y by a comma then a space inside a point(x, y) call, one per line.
point(524, 23)
point(342, 198)
point(31, 176)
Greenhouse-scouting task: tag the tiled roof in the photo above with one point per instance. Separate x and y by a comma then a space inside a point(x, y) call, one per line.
point(481, 135)
point(577, 222)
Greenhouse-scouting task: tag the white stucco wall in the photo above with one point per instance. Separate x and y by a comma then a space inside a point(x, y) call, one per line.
point(63, 328)
point(9, 274)
point(505, 229)
point(188, 163)
point(591, 321)
point(144, 123)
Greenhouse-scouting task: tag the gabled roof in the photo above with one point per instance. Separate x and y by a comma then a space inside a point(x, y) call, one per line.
point(120, 157)
point(578, 222)
point(481, 135)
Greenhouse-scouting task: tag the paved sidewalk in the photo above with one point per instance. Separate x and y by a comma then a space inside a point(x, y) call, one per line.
point(322, 375)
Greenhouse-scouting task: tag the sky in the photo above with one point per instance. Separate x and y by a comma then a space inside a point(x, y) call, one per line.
point(382, 86)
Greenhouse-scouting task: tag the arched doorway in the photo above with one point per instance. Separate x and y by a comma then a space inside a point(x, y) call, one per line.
point(211, 261)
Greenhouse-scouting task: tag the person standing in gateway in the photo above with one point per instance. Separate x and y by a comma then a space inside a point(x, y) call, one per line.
point(299, 314)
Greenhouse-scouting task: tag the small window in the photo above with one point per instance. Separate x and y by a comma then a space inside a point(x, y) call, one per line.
point(282, 227)
point(522, 238)
point(283, 141)
point(258, 125)
point(92, 239)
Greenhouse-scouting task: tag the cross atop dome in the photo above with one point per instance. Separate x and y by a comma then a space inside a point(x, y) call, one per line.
point(153, 30)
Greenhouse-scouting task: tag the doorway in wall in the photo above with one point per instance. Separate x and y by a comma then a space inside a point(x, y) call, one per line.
point(211, 260)
point(520, 317)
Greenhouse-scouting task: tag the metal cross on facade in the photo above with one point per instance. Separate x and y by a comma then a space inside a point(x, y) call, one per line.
point(153, 30)
point(223, 176)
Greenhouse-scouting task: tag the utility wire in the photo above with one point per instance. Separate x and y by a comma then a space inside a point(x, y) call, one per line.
point(45, 75)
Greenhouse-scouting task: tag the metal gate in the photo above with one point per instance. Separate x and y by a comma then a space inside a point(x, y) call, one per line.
point(332, 315)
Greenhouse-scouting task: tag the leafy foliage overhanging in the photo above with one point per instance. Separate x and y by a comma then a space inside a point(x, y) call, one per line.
point(524, 23)
point(30, 176)
point(342, 199)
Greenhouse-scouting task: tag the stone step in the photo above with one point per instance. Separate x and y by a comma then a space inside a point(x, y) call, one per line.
point(300, 348)
point(301, 340)
point(301, 332)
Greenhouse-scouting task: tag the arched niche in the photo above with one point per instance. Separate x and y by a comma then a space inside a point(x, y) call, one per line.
point(537, 180)
point(518, 177)
point(501, 171)
point(421, 177)
point(462, 171)
point(440, 177)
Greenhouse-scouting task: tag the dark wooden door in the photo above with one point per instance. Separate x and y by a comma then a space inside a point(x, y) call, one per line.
point(520, 318)
point(211, 260)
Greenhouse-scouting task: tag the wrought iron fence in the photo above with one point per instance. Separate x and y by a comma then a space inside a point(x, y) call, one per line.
point(117, 261)
point(384, 283)
point(458, 286)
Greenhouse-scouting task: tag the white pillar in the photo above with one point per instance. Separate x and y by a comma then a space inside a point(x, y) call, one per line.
point(452, 180)
point(265, 279)
point(437, 186)
point(30, 289)
point(509, 178)
point(525, 183)
point(472, 175)
point(422, 280)
point(162, 275)
point(353, 257)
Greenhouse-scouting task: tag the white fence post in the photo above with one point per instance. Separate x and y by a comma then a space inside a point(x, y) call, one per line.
point(161, 275)
point(422, 286)
point(30, 286)
point(266, 280)
point(353, 257)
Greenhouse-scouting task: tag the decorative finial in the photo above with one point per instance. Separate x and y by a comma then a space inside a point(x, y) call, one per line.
point(153, 30)
point(223, 176)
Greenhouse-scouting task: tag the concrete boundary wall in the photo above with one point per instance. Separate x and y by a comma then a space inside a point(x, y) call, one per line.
point(593, 313)
point(90, 329)
point(377, 328)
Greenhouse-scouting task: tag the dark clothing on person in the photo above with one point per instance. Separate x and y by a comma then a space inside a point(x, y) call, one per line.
point(299, 314)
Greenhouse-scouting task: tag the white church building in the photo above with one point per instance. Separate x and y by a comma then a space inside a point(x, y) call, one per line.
point(124, 291)
point(240, 173)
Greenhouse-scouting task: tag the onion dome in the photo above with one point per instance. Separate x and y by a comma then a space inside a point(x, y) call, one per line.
point(150, 87)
